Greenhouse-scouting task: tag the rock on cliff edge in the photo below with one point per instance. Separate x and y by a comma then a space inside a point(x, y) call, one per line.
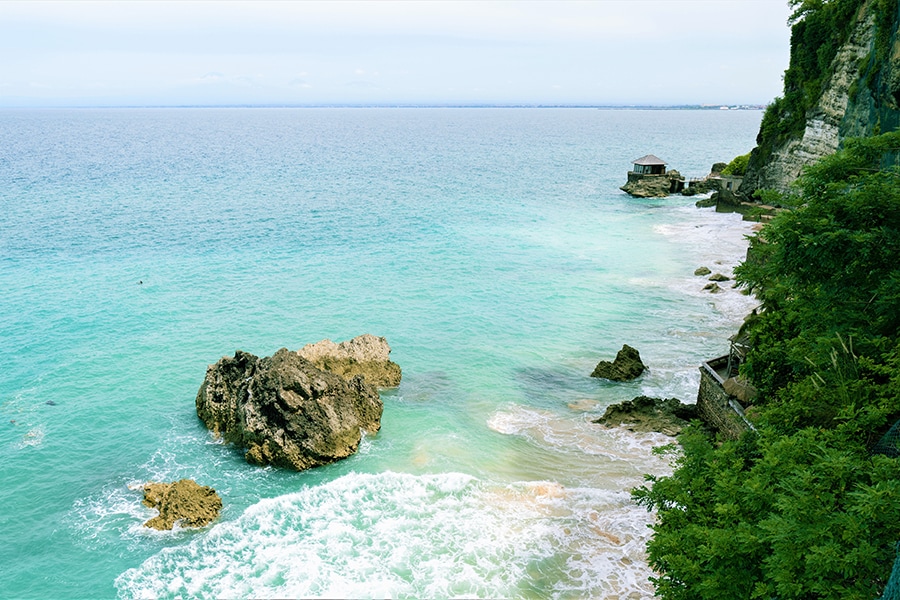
point(365, 355)
point(285, 411)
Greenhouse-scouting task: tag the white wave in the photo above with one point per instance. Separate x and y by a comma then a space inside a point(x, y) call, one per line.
point(113, 513)
point(579, 434)
point(400, 535)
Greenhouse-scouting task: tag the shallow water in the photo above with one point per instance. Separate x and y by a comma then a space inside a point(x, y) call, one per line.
point(491, 247)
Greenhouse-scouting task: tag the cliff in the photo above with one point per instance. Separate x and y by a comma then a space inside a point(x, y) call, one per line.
point(843, 81)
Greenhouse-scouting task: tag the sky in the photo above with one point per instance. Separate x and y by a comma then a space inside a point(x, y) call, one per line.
point(602, 52)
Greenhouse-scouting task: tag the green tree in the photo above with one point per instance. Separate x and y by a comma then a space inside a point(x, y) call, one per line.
point(737, 166)
point(800, 508)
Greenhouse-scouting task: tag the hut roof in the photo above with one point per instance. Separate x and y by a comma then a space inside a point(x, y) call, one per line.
point(649, 160)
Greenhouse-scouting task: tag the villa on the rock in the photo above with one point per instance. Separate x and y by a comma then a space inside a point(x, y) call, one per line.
point(649, 165)
point(649, 178)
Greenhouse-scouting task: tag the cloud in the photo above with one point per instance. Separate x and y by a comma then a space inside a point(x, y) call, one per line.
point(580, 52)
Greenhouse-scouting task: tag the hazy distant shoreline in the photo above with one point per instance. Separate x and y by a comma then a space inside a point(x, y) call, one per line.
point(728, 107)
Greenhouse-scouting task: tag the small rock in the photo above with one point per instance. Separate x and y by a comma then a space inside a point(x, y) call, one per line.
point(719, 277)
point(625, 367)
point(644, 414)
point(583, 405)
point(740, 388)
point(713, 288)
point(702, 271)
point(184, 502)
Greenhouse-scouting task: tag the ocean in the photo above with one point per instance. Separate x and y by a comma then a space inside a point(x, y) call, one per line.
point(491, 247)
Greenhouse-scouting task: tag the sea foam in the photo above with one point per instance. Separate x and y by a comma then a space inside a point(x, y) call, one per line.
point(401, 535)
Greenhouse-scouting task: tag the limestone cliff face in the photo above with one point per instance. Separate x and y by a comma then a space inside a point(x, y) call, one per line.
point(875, 108)
point(859, 98)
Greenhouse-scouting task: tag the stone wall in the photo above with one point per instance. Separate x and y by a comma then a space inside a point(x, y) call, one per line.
point(716, 408)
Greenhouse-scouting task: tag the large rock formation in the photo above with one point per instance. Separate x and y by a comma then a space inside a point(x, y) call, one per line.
point(184, 502)
point(625, 367)
point(365, 355)
point(644, 414)
point(859, 98)
point(285, 411)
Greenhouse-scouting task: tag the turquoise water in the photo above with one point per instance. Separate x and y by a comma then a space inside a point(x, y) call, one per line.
point(491, 247)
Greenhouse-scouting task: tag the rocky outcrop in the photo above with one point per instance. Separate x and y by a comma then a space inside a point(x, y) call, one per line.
point(653, 186)
point(859, 99)
point(625, 367)
point(184, 502)
point(649, 186)
point(365, 355)
point(644, 414)
point(286, 412)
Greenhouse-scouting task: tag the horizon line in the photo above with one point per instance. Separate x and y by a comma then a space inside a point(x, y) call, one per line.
point(722, 106)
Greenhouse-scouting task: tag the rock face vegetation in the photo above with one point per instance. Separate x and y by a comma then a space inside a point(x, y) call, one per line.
point(808, 505)
point(843, 81)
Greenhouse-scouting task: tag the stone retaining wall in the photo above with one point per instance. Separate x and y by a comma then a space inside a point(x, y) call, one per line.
point(716, 408)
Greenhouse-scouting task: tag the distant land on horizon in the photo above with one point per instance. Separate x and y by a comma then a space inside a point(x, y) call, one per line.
point(401, 105)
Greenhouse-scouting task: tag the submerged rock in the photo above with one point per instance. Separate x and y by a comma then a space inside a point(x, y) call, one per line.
point(365, 355)
point(644, 414)
point(285, 411)
point(625, 367)
point(184, 502)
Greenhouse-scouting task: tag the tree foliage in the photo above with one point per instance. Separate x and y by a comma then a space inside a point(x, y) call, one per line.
point(737, 166)
point(800, 508)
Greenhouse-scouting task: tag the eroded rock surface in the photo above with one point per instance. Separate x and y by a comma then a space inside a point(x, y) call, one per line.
point(365, 355)
point(644, 414)
point(286, 412)
point(184, 502)
point(625, 367)
point(652, 186)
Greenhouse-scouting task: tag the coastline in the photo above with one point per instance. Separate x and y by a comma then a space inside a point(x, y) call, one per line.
point(499, 282)
point(726, 252)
